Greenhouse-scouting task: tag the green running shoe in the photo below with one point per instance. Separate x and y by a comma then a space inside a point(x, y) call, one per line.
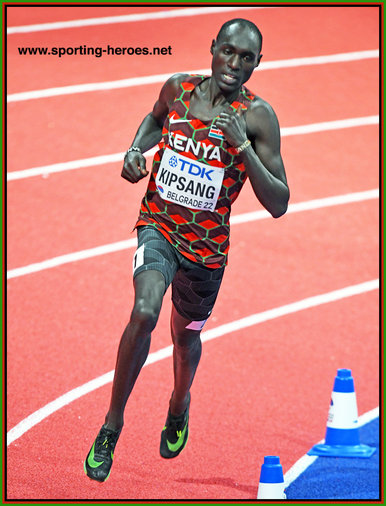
point(99, 460)
point(174, 435)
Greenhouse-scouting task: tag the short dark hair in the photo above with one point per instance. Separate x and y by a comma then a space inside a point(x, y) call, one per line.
point(244, 23)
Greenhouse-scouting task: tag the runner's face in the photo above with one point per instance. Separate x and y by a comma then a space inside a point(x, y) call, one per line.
point(235, 55)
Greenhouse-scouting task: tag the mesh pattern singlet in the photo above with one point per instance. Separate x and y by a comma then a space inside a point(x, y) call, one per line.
point(200, 235)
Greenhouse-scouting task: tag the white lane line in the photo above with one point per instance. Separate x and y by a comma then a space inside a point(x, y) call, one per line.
point(235, 220)
point(72, 257)
point(308, 205)
point(124, 18)
point(306, 460)
point(118, 157)
point(50, 408)
point(330, 125)
point(45, 170)
point(161, 78)
point(368, 417)
point(320, 60)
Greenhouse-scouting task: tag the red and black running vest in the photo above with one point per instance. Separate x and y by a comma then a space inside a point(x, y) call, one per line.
point(195, 178)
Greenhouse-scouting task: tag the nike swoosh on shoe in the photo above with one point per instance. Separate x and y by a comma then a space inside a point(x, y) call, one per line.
point(91, 461)
point(173, 447)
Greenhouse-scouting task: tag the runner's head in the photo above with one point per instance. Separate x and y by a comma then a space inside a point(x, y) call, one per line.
point(236, 53)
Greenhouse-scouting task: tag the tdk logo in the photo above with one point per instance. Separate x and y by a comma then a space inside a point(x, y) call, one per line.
point(173, 162)
point(191, 168)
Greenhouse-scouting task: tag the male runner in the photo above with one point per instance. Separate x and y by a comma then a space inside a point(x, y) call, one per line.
point(213, 134)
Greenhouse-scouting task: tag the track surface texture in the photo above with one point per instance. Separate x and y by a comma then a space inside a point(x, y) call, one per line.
point(260, 390)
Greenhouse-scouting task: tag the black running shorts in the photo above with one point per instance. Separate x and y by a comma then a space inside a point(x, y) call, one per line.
point(194, 287)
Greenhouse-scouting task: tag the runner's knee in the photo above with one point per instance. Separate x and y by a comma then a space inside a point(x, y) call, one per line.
point(186, 340)
point(145, 315)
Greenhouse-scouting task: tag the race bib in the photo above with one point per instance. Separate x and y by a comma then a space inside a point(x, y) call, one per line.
point(188, 182)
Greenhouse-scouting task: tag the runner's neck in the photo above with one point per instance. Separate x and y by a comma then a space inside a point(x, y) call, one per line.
point(207, 101)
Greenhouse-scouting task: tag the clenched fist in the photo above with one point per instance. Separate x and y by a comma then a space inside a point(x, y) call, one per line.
point(233, 126)
point(134, 167)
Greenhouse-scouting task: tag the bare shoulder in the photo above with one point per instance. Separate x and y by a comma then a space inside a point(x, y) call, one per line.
point(177, 79)
point(260, 115)
point(167, 96)
point(172, 85)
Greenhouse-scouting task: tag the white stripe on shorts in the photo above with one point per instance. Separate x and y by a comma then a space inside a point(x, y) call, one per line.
point(139, 257)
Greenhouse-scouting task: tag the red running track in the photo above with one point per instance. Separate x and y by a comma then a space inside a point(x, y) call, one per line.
point(258, 391)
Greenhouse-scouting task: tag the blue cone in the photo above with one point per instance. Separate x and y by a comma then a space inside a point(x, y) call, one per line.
point(271, 485)
point(342, 433)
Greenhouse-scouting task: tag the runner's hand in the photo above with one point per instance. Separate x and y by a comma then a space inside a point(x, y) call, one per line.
point(233, 126)
point(134, 167)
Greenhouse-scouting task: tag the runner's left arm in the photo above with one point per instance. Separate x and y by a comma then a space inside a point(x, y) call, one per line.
point(262, 158)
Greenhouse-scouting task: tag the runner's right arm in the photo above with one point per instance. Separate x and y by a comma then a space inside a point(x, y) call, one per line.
point(150, 131)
